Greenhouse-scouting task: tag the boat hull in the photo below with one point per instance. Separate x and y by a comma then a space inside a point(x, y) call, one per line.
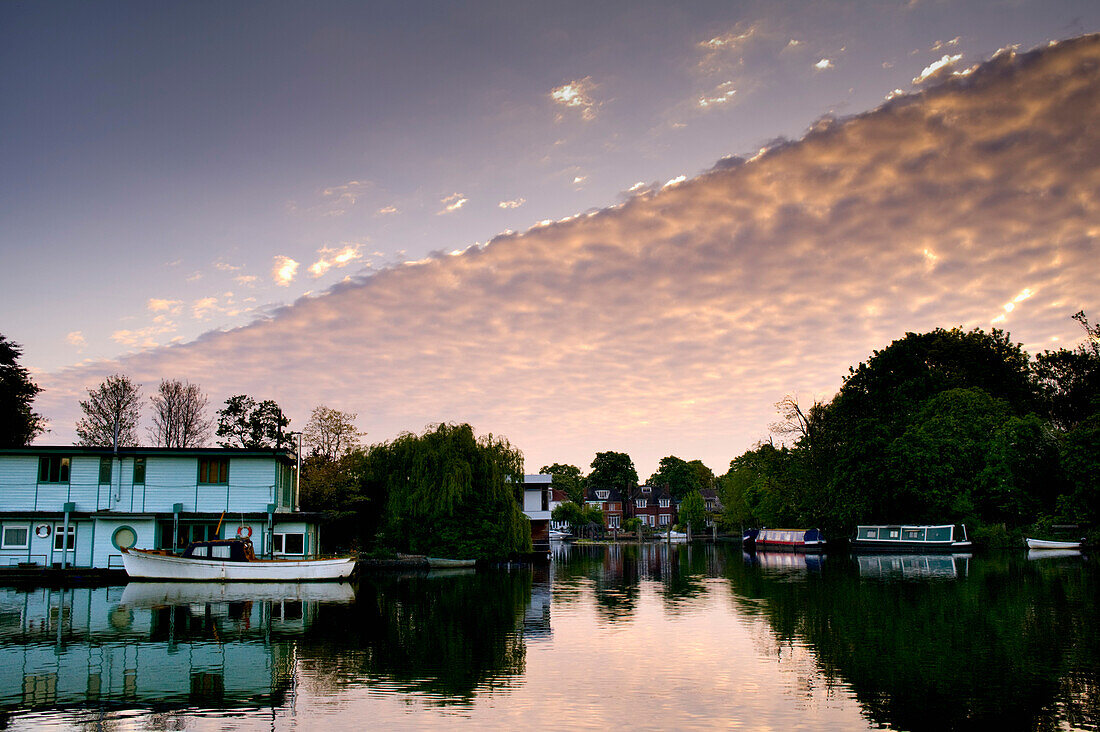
point(142, 565)
point(915, 547)
point(1044, 544)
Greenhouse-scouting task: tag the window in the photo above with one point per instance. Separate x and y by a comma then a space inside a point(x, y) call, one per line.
point(214, 471)
point(602, 495)
point(105, 470)
point(612, 522)
point(870, 533)
point(289, 543)
point(665, 519)
point(220, 552)
point(188, 532)
point(124, 537)
point(16, 537)
point(641, 503)
point(53, 469)
point(647, 489)
point(199, 551)
point(893, 533)
point(139, 471)
point(59, 542)
point(663, 502)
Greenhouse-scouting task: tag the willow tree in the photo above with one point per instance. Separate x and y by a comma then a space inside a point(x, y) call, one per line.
point(448, 493)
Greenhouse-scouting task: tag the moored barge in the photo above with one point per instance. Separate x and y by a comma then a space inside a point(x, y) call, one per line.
point(911, 538)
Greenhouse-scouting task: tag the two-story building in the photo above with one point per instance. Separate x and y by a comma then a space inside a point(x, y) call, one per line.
point(536, 506)
point(610, 501)
point(79, 506)
point(655, 506)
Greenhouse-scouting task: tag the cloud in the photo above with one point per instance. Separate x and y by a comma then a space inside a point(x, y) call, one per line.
point(577, 94)
point(672, 322)
point(934, 69)
point(330, 257)
point(940, 45)
point(76, 338)
point(823, 64)
point(514, 203)
point(387, 210)
point(579, 179)
point(226, 267)
point(246, 280)
point(142, 337)
point(159, 305)
point(451, 203)
point(723, 94)
point(284, 270)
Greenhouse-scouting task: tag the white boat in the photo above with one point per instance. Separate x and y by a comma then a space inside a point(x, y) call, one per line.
point(1044, 544)
point(675, 536)
point(230, 560)
point(558, 535)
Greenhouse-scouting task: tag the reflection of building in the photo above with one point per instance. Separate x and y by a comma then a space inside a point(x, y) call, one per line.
point(76, 506)
point(84, 647)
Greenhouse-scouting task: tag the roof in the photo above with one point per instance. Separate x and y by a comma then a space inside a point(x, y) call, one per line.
point(614, 495)
point(146, 451)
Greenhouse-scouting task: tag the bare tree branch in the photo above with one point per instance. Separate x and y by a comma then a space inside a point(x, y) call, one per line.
point(179, 415)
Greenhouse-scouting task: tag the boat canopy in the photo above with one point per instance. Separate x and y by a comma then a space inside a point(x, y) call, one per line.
point(231, 550)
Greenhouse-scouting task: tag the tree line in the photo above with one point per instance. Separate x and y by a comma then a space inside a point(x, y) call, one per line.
point(938, 427)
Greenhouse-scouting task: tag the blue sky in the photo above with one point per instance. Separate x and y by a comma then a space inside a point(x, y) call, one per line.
point(179, 169)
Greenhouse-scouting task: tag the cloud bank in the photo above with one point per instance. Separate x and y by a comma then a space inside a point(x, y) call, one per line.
point(672, 323)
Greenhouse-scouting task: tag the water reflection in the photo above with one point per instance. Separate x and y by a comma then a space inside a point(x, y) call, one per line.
point(152, 646)
point(689, 635)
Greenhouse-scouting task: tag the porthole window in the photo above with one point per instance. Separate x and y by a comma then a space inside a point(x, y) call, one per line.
point(124, 537)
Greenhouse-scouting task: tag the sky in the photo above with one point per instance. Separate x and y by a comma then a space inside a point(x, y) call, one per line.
point(618, 226)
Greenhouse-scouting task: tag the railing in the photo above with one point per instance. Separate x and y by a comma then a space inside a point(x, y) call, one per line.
point(32, 560)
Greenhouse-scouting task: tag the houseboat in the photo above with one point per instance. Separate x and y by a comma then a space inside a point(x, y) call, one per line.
point(894, 538)
point(799, 540)
point(229, 560)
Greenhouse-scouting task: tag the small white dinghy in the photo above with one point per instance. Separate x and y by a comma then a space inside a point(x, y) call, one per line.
point(230, 560)
point(1044, 544)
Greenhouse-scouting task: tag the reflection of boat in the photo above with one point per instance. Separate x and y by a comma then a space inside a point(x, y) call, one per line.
point(1033, 554)
point(790, 539)
point(912, 566)
point(440, 563)
point(1044, 544)
point(229, 560)
point(945, 538)
point(786, 561)
point(159, 594)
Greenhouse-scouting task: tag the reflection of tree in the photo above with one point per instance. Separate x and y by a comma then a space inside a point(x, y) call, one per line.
point(446, 635)
point(1011, 646)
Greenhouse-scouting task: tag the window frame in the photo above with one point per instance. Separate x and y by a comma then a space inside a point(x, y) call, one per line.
point(279, 543)
point(641, 503)
point(204, 475)
point(59, 532)
point(120, 529)
point(139, 461)
point(4, 536)
point(106, 468)
point(64, 469)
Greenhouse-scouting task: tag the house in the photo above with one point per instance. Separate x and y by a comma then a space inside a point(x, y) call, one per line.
point(80, 506)
point(536, 506)
point(655, 506)
point(610, 501)
point(557, 498)
point(713, 505)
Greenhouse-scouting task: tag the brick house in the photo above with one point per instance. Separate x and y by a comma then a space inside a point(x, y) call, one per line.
point(655, 506)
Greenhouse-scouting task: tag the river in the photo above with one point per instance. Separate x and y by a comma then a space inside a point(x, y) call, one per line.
point(622, 636)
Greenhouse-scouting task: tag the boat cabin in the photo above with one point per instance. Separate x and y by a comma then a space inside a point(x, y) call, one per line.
point(229, 550)
point(789, 538)
point(912, 537)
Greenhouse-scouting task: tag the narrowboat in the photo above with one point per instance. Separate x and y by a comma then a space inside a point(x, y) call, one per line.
point(229, 560)
point(799, 540)
point(892, 538)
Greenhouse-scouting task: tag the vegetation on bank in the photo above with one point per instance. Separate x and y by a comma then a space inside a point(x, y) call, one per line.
point(938, 427)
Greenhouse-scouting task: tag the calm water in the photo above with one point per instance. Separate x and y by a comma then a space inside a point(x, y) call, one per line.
point(609, 637)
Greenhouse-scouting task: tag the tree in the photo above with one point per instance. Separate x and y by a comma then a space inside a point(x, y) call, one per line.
point(179, 415)
point(112, 409)
point(19, 425)
point(567, 478)
point(330, 433)
point(614, 471)
point(448, 493)
point(244, 422)
point(677, 475)
point(693, 511)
